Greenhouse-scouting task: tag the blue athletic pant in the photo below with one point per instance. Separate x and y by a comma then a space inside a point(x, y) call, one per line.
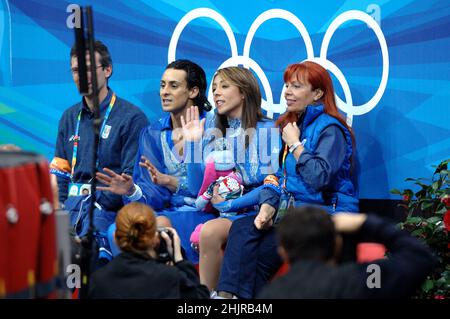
point(250, 259)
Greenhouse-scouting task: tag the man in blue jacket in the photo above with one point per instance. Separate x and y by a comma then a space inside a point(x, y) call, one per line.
point(121, 123)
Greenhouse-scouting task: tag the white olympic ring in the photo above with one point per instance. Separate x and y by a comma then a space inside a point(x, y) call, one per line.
point(246, 61)
point(201, 13)
point(364, 17)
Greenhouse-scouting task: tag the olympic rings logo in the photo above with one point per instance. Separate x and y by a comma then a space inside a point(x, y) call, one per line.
point(245, 60)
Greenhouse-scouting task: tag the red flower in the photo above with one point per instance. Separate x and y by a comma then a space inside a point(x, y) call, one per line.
point(439, 297)
point(447, 220)
point(405, 198)
point(446, 200)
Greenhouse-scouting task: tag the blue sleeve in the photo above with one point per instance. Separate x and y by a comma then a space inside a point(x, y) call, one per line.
point(196, 155)
point(194, 167)
point(318, 168)
point(245, 201)
point(63, 183)
point(268, 148)
point(130, 141)
point(154, 195)
point(275, 147)
point(409, 261)
point(276, 161)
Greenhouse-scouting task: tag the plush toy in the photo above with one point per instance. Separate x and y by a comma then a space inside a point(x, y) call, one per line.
point(220, 171)
point(195, 238)
point(269, 193)
point(229, 187)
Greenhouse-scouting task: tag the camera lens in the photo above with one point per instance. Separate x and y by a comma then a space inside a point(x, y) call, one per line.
point(163, 252)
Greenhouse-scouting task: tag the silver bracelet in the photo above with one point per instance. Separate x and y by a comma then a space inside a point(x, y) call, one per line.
point(293, 147)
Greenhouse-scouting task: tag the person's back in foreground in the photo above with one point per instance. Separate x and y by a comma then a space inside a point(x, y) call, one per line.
point(310, 242)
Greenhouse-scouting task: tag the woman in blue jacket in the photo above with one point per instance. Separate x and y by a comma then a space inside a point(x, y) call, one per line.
point(239, 119)
point(316, 161)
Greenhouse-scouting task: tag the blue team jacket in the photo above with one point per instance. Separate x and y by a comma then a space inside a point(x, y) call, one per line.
point(340, 193)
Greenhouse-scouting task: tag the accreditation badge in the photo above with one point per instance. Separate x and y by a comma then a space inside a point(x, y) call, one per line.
point(78, 189)
point(106, 131)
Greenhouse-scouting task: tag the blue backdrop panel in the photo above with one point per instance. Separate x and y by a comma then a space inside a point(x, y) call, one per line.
point(389, 61)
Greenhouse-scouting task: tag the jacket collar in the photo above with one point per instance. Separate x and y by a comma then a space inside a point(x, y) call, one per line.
point(103, 105)
point(166, 123)
point(134, 255)
point(312, 112)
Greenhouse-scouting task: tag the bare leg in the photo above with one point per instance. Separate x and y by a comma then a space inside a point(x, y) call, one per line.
point(213, 237)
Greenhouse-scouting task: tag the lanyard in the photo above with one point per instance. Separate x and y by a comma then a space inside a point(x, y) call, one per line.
point(283, 165)
point(76, 138)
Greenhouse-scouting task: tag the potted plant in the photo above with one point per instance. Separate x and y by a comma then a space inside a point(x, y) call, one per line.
point(428, 218)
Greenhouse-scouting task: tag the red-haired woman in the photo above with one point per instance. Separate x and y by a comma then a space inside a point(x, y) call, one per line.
point(316, 161)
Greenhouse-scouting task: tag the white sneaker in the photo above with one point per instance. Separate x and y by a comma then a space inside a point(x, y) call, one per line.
point(214, 295)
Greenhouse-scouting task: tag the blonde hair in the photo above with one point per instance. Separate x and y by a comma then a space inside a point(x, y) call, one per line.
point(136, 228)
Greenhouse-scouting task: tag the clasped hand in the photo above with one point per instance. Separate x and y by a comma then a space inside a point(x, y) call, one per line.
point(291, 133)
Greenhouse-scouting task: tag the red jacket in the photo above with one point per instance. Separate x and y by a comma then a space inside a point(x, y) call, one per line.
point(28, 255)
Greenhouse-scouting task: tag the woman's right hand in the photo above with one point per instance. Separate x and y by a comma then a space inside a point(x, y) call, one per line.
point(193, 127)
point(291, 134)
point(118, 184)
point(264, 218)
point(216, 198)
point(175, 248)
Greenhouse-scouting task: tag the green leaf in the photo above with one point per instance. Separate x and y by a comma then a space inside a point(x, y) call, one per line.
point(441, 281)
point(442, 166)
point(413, 220)
point(408, 192)
point(421, 193)
point(424, 186)
point(436, 185)
point(441, 212)
point(434, 220)
point(417, 233)
point(396, 191)
point(426, 205)
point(427, 285)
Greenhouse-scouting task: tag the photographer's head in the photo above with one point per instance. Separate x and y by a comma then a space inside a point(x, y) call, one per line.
point(136, 229)
point(308, 233)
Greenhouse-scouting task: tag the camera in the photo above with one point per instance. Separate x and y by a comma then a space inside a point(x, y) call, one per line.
point(162, 251)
